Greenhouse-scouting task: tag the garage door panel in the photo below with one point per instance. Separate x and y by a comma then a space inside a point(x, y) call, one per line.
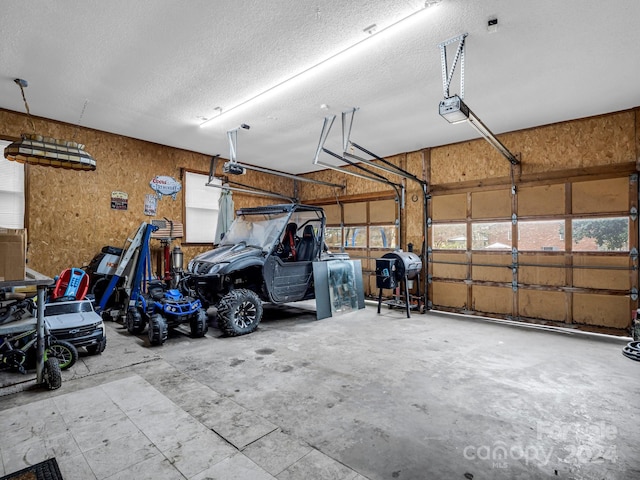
point(491, 204)
point(529, 273)
point(602, 310)
point(599, 196)
point(449, 207)
point(596, 274)
point(541, 200)
point(543, 304)
point(492, 299)
point(449, 294)
point(501, 272)
point(454, 267)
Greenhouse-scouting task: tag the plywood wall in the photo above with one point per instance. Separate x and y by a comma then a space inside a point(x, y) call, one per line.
point(69, 213)
point(595, 141)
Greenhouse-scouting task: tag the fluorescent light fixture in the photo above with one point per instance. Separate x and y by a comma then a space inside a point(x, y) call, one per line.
point(454, 110)
point(373, 33)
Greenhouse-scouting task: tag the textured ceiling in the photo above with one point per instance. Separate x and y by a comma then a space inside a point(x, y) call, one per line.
point(154, 69)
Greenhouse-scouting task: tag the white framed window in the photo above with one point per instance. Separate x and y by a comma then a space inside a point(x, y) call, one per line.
point(11, 191)
point(201, 208)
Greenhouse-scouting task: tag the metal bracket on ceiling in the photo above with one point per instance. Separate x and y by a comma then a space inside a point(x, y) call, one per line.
point(447, 75)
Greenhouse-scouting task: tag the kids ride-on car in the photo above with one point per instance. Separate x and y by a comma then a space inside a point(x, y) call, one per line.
point(164, 309)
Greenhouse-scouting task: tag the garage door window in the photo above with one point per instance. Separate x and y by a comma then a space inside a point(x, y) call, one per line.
point(541, 235)
point(355, 237)
point(450, 236)
point(383, 236)
point(600, 234)
point(491, 236)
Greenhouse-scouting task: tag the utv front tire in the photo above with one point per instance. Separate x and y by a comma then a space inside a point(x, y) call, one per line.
point(198, 324)
point(239, 312)
point(158, 329)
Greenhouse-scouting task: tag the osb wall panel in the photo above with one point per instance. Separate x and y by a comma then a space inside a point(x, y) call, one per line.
point(450, 270)
point(544, 305)
point(449, 207)
point(550, 276)
point(498, 272)
point(611, 195)
point(383, 211)
point(601, 277)
point(449, 294)
point(602, 310)
point(492, 299)
point(466, 161)
point(595, 141)
point(542, 200)
point(491, 204)
point(413, 214)
point(69, 216)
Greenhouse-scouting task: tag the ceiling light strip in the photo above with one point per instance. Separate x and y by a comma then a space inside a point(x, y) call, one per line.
point(312, 67)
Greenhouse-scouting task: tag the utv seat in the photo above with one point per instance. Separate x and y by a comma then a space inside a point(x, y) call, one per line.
point(289, 252)
point(306, 246)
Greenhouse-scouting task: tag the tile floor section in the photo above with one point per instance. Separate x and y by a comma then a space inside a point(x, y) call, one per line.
point(127, 429)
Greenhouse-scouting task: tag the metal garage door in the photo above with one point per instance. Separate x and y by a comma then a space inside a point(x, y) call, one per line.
point(559, 253)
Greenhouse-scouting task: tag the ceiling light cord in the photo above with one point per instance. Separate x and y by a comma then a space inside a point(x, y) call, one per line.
point(23, 83)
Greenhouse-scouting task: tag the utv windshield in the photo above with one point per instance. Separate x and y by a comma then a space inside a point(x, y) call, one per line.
point(256, 230)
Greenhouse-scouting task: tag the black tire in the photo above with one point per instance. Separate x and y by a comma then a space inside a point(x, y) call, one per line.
point(135, 324)
point(15, 360)
point(239, 312)
point(98, 348)
point(65, 352)
point(158, 330)
point(51, 373)
point(199, 325)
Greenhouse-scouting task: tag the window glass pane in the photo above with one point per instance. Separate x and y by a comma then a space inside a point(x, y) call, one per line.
point(383, 236)
point(11, 191)
point(201, 208)
point(543, 235)
point(450, 236)
point(491, 236)
point(600, 234)
point(355, 237)
point(333, 236)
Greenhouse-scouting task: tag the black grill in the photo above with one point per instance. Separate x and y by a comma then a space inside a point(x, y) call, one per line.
point(406, 263)
point(71, 334)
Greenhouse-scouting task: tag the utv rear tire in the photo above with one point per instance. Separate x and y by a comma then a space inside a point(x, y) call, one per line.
point(199, 325)
point(65, 352)
point(158, 330)
point(51, 374)
point(135, 325)
point(239, 312)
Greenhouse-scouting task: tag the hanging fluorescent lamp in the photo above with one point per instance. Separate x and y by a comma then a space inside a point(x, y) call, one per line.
point(372, 31)
point(454, 110)
point(40, 150)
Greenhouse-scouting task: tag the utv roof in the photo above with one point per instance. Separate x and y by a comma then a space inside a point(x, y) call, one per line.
point(281, 208)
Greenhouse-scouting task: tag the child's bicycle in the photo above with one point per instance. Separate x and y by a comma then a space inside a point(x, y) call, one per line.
point(17, 349)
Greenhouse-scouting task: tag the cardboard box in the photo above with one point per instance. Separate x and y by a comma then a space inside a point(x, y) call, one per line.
point(13, 254)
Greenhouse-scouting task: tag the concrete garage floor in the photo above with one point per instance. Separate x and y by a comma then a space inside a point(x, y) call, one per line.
point(357, 396)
